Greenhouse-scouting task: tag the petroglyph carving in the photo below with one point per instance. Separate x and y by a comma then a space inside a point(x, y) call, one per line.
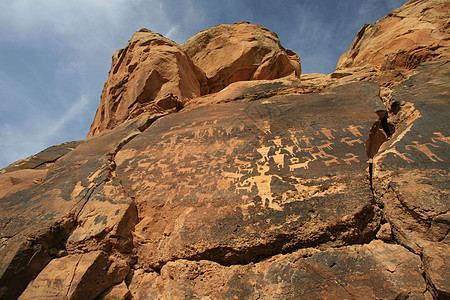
point(334, 160)
point(319, 154)
point(296, 165)
point(279, 159)
point(350, 157)
point(327, 145)
point(425, 150)
point(277, 141)
point(354, 130)
point(251, 173)
point(328, 133)
point(306, 140)
point(440, 137)
point(350, 141)
point(262, 183)
point(264, 151)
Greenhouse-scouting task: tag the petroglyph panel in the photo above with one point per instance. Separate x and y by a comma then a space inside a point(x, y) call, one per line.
point(251, 173)
point(230, 155)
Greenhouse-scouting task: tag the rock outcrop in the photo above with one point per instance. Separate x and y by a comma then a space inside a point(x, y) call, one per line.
point(152, 74)
point(240, 51)
point(329, 187)
point(414, 33)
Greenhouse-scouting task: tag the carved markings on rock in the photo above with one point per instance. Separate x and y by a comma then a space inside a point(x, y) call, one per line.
point(204, 160)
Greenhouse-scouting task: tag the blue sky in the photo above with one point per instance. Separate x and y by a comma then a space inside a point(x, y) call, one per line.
point(55, 55)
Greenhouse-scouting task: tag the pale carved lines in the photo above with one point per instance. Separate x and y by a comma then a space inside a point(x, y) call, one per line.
point(425, 150)
point(284, 152)
point(350, 142)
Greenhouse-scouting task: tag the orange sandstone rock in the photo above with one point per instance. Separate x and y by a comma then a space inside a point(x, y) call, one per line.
point(240, 51)
point(151, 74)
point(416, 32)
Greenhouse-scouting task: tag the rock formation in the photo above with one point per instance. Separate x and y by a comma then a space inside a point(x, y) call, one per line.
point(240, 51)
point(329, 187)
point(152, 74)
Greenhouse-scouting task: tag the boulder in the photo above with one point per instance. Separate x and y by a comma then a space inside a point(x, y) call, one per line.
point(241, 51)
point(152, 74)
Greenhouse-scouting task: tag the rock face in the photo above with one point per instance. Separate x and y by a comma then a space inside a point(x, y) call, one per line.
point(326, 188)
point(152, 74)
point(240, 51)
point(416, 32)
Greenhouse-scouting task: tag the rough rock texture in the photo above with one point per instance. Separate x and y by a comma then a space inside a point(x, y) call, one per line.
point(240, 51)
point(27, 172)
point(262, 177)
point(152, 74)
point(410, 175)
point(354, 272)
point(331, 187)
point(416, 32)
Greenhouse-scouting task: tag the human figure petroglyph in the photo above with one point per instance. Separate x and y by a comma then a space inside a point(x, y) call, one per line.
point(351, 157)
point(328, 133)
point(264, 151)
point(425, 150)
point(262, 183)
point(351, 142)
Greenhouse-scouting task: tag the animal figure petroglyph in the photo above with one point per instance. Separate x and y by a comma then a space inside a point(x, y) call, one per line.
point(334, 159)
point(425, 150)
point(296, 165)
point(441, 138)
point(350, 157)
point(319, 154)
point(306, 140)
point(327, 145)
point(354, 130)
point(350, 142)
point(328, 133)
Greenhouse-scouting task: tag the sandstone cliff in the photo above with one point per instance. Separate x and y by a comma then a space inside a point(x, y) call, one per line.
point(329, 187)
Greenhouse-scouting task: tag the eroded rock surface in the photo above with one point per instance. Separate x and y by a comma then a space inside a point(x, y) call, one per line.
point(242, 51)
point(77, 207)
point(152, 74)
point(261, 177)
point(331, 187)
point(410, 176)
point(416, 32)
point(373, 271)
